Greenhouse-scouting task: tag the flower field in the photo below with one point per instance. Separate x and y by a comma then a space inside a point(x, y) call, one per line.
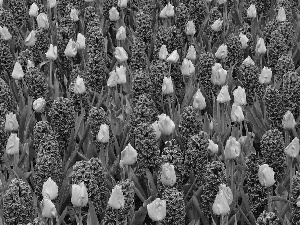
point(141, 112)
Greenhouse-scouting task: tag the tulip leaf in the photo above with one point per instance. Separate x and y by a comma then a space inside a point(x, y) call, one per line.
point(244, 216)
point(199, 210)
point(92, 216)
point(139, 216)
point(138, 186)
point(247, 206)
point(151, 182)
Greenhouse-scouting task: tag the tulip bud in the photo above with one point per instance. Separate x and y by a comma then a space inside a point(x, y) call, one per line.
point(199, 100)
point(80, 41)
point(114, 14)
point(260, 46)
point(191, 55)
point(170, 10)
point(128, 155)
point(223, 95)
point(52, 52)
point(13, 143)
point(221, 52)
point(187, 67)
point(103, 134)
point(265, 76)
point(51, 3)
point(217, 25)
point(11, 122)
point(220, 205)
point(168, 175)
point(5, 34)
point(79, 87)
point(212, 147)
point(239, 96)
point(121, 54)
point(122, 3)
point(292, 150)
point(48, 208)
point(251, 11)
point(116, 199)
point(121, 73)
point(237, 113)
point(244, 40)
point(167, 86)
point(30, 64)
point(50, 189)
point(288, 121)
point(281, 17)
point(121, 34)
point(156, 130)
point(17, 73)
point(248, 61)
point(190, 28)
point(232, 148)
point(113, 79)
point(218, 75)
point(30, 39)
point(33, 10)
point(163, 12)
point(165, 125)
point(79, 195)
point(266, 175)
point(227, 193)
point(74, 15)
point(71, 49)
point(173, 58)
point(163, 52)
point(39, 105)
point(42, 21)
point(157, 210)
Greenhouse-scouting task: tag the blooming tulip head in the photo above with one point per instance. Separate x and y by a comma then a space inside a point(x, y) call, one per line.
point(79, 87)
point(244, 40)
point(237, 114)
point(218, 75)
point(163, 52)
point(156, 130)
point(266, 175)
point(165, 125)
point(157, 210)
point(114, 14)
point(33, 10)
point(190, 28)
point(220, 205)
point(42, 21)
point(39, 105)
point(217, 25)
point(221, 52)
point(48, 208)
point(213, 147)
point(51, 3)
point(50, 189)
point(199, 100)
point(168, 175)
point(13, 143)
point(191, 54)
point(79, 195)
point(288, 121)
point(167, 86)
point(80, 41)
point(5, 34)
point(113, 79)
point(260, 46)
point(121, 34)
point(30, 39)
point(170, 10)
point(173, 57)
point(292, 150)
point(116, 199)
point(251, 11)
point(239, 96)
point(103, 134)
point(223, 95)
point(265, 76)
point(128, 155)
point(248, 61)
point(122, 3)
point(187, 67)
point(232, 148)
point(11, 122)
point(71, 49)
point(18, 72)
point(52, 52)
point(121, 54)
point(281, 17)
point(163, 12)
point(121, 73)
point(74, 15)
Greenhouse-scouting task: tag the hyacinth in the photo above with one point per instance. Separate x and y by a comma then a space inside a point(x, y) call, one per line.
point(41, 45)
point(23, 58)
point(3, 135)
point(190, 124)
point(271, 147)
point(92, 174)
point(290, 92)
point(7, 100)
point(294, 198)
point(144, 27)
point(274, 106)
point(64, 7)
point(197, 11)
point(182, 16)
point(196, 154)
point(138, 54)
point(214, 14)
point(284, 65)
point(48, 164)
point(213, 176)
point(178, 81)
point(147, 149)
point(17, 202)
point(248, 76)
point(141, 84)
point(40, 131)
point(78, 98)
point(36, 83)
point(124, 213)
point(37, 221)
point(175, 207)
point(62, 120)
point(19, 11)
point(266, 218)
point(6, 59)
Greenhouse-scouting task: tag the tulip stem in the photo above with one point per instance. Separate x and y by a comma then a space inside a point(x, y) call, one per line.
point(291, 176)
point(286, 137)
point(80, 217)
point(117, 217)
point(269, 199)
point(16, 159)
point(232, 177)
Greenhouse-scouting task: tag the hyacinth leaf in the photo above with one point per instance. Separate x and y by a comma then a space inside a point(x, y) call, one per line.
point(193, 222)
point(139, 216)
point(151, 183)
point(137, 187)
point(206, 123)
point(64, 193)
point(258, 128)
point(244, 217)
point(199, 210)
point(284, 210)
point(92, 216)
point(63, 215)
point(245, 203)
point(286, 221)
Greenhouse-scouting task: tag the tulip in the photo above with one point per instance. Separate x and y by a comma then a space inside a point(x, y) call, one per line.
point(288, 121)
point(157, 210)
point(121, 54)
point(239, 96)
point(103, 134)
point(114, 14)
point(79, 87)
point(223, 95)
point(281, 17)
point(30, 64)
point(221, 52)
point(237, 113)
point(163, 52)
point(248, 61)
point(191, 55)
point(227, 193)
point(80, 41)
point(13, 143)
point(51, 3)
point(42, 21)
point(170, 10)
point(116, 199)
point(165, 125)
point(48, 208)
point(217, 25)
point(173, 58)
point(187, 67)
point(79, 195)
point(39, 105)
point(33, 10)
point(121, 73)
point(168, 175)
point(5, 34)
point(251, 11)
point(30, 39)
point(220, 2)
point(199, 100)
point(218, 75)
point(122, 3)
point(121, 34)
point(266, 175)
point(220, 205)
point(50, 189)
point(265, 76)
point(128, 155)
point(292, 150)
point(232, 148)
point(156, 130)
point(74, 15)
point(71, 49)
point(163, 12)
point(244, 40)
point(11, 122)
point(260, 46)
point(113, 79)
point(52, 54)
point(17, 73)
point(190, 28)
point(298, 202)
point(167, 86)
point(213, 147)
